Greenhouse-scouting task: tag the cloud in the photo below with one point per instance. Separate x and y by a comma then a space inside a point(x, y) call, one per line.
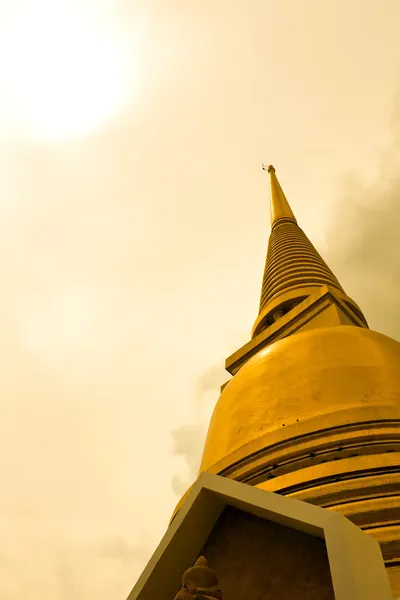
point(188, 439)
point(66, 581)
point(363, 246)
point(121, 550)
point(188, 444)
point(211, 380)
point(50, 566)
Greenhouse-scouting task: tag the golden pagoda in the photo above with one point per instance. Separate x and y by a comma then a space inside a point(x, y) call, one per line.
point(312, 411)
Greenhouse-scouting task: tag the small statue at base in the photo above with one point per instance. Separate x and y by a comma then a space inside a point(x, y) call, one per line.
point(199, 583)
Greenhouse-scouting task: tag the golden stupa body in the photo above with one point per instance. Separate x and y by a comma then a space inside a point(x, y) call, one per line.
point(313, 408)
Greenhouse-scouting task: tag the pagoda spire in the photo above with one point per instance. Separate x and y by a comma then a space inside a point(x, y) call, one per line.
point(294, 269)
point(280, 208)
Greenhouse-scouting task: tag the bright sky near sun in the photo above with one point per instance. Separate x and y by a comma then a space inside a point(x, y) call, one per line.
point(62, 71)
point(133, 230)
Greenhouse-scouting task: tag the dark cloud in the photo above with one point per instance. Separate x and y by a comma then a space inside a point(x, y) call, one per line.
point(364, 239)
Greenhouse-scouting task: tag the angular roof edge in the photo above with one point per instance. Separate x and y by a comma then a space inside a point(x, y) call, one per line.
point(355, 559)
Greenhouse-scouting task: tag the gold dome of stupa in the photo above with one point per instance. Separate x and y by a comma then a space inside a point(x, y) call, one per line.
point(313, 408)
point(298, 383)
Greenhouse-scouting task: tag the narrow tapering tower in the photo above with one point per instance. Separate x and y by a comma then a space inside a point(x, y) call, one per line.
point(313, 408)
point(294, 270)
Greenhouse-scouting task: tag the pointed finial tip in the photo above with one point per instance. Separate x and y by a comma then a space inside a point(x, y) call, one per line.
point(271, 169)
point(201, 562)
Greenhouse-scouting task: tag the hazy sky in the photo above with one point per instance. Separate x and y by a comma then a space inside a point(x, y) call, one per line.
point(133, 230)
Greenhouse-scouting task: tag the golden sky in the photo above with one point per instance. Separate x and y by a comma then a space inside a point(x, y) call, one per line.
point(133, 230)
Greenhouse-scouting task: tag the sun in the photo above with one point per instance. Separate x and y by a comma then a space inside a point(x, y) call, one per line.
point(60, 69)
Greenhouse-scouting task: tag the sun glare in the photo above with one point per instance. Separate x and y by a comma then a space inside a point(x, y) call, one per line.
point(61, 71)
